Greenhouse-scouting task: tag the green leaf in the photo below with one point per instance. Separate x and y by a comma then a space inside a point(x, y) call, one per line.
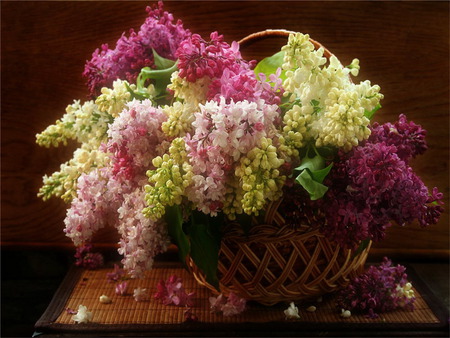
point(269, 65)
point(316, 107)
point(370, 114)
point(312, 174)
point(312, 163)
point(361, 247)
point(319, 175)
point(160, 62)
point(174, 220)
point(315, 189)
point(286, 104)
point(160, 77)
point(205, 244)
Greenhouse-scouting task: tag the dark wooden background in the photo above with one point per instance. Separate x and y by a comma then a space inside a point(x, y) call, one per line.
point(402, 46)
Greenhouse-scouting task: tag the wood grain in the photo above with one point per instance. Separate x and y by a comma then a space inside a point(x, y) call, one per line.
point(402, 46)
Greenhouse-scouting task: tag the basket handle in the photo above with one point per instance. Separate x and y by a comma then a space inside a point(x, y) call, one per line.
point(274, 33)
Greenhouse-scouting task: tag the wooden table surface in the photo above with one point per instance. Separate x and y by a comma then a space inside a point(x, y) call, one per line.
point(402, 46)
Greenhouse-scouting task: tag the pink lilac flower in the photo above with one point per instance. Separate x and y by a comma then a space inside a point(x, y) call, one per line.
point(117, 274)
point(122, 288)
point(71, 311)
point(216, 303)
point(159, 32)
point(243, 85)
point(378, 290)
point(92, 207)
point(229, 307)
point(88, 259)
point(135, 138)
point(223, 133)
point(141, 238)
point(198, 58)
point(114, 195)
point(407, 137)
point(172, 291)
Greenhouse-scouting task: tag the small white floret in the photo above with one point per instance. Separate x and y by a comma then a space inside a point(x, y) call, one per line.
point(105, 299)
point(140, 294)
point(312, 308)
point(82, 315)
point(291, 312)
point(345, 313)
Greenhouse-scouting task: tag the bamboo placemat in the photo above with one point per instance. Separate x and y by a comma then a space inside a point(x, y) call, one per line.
point(124, 314)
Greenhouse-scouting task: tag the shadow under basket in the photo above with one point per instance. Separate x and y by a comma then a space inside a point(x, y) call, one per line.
point(276, 263)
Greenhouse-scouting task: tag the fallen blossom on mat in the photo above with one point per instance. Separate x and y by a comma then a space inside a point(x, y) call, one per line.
point(104, 299)
point(88, 259)
point(229, 307)
point(121, 288)
point(71, 311)
point(292, 312)
point(116, 275)
point(189, 316)
point(346, 313)
point(172, 291)
point(380, 289)
point(82, 315)
point(140, 294)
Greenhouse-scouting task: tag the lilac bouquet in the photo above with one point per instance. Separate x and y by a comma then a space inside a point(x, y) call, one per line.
point(183, 135)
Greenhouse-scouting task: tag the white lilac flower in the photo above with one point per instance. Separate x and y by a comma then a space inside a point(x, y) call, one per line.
point(328, 108)
point(113, 100)
point(345, 313)
point(140, 294)
point(292, 312)
point(82, 315)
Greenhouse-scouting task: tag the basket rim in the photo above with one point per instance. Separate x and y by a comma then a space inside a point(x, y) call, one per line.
point(280, 33)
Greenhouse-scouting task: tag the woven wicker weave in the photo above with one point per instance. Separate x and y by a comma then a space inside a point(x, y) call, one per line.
point(274, 262)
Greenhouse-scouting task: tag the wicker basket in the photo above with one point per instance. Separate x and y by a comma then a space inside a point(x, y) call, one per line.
point(275, 262)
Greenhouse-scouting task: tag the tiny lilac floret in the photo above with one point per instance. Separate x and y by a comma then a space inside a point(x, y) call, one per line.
point(172, 291)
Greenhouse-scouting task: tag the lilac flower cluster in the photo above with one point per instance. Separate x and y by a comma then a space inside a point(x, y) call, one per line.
point(132, 53)
point(231, 77)
point(114, 195)
point(223, 134)
point(407, 137)
point(198, 58)
point(135, 138)
point(372, 185)
point(380, 289)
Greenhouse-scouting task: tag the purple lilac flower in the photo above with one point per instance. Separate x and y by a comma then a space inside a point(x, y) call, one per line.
point(87, 259)
point(116, 275)
point(407, 137)
point(372, 186)
point(380, 289)
point(132, 53)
